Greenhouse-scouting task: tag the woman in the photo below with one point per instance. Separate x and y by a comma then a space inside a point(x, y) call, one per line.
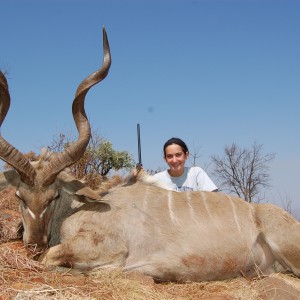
point(181, 178)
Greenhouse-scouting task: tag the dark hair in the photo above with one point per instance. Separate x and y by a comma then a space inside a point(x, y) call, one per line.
point(178, 142)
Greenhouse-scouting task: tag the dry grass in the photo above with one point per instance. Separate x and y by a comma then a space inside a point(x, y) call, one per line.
point(9, 215)
point(21, 277)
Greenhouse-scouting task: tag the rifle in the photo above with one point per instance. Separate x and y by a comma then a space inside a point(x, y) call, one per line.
point(139, 164)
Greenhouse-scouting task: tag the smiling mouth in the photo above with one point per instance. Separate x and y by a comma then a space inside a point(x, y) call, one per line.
point(175, 167)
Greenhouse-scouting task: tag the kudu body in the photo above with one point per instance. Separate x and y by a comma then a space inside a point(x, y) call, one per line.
point(171, 236)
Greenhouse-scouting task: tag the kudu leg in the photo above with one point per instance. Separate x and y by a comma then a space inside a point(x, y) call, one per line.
point(87, 250)
point(282, 233)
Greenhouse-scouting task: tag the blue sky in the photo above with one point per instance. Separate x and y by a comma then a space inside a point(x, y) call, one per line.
point(211, 72)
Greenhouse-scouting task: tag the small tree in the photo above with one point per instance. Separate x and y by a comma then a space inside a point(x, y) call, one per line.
point(98, 160)
point(243, 171)
point(104, 158)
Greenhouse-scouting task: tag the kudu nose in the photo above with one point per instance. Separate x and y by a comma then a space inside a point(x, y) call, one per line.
point(36, 244)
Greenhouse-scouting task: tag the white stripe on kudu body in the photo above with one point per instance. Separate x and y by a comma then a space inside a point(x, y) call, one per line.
point(191, 208)
point(206, 205)
point(172, 208)
point(235, 214)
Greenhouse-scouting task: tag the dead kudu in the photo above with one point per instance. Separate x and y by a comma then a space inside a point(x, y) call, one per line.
point(171, 236)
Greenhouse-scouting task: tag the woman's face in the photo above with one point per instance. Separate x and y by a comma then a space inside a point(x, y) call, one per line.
point(175, 158)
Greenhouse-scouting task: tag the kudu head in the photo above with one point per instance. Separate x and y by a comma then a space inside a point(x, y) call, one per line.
point(38, 184)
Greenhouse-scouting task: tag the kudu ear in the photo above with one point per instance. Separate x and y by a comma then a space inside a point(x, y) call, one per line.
point(76, 187)
point(88, 193)
point(9, 177)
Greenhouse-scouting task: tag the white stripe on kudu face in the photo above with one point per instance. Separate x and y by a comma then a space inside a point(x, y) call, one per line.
point(42, 213)
point(31, 214)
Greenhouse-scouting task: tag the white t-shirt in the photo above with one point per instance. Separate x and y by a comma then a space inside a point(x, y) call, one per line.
point(193, 179)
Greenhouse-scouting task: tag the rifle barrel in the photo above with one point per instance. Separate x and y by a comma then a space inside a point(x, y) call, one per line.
point(139, 144)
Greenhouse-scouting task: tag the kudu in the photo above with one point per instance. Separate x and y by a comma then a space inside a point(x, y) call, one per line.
point(171, 236)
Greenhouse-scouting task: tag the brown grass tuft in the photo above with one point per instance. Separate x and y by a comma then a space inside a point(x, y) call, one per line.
point(110, 183)
point(10, 220)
